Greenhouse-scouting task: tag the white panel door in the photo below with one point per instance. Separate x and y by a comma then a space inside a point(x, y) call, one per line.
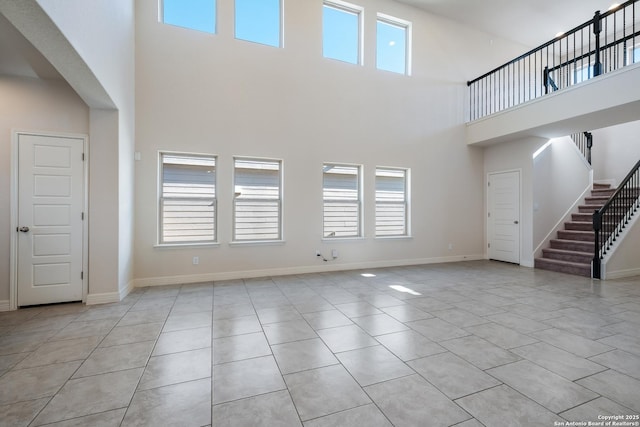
point(504, 217)
point(50, 216)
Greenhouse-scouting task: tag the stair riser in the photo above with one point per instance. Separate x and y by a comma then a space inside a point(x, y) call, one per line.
point(595, 200)
point(581, 259)
point(577, 271)
point(590, 209)
point(572, 246)
point(578, 226)
point(602, 193)
point(575, 235)
point(582, 217)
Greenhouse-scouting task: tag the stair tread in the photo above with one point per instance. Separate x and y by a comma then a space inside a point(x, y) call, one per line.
point(566, 251)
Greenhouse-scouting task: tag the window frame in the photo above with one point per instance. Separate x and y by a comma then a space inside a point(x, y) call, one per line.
point(400, 23)
point(161, 18)
point(161, 199)
point(280, 237)
point(579, 69)
point(631, 50)
point(359, 202)
point(405, 201)
point(352, 9)
point(280, 44)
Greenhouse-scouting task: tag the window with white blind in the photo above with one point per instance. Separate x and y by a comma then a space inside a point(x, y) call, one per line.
point(187, 199)
point(342, 201)
point(391, 202)
point(257, 203)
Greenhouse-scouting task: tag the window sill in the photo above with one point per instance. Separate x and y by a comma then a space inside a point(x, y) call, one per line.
point(394, 237)
point(257, 243)
point(186, 245)
point(342, 239)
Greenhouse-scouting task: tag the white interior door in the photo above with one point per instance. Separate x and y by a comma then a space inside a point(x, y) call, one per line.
point(504, 216)
point(50, 219)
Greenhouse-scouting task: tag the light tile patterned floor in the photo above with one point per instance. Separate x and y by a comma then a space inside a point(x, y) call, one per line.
point(467, 344)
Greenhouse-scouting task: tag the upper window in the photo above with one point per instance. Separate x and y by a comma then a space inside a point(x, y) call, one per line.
point(341, 23)
point(633, 54)
point(257, 202)
point(342, 200)
point(391, 202)
point(195, 14)
point(392, 52)
point(187, 198)
point(259, 21)
point(582, 73)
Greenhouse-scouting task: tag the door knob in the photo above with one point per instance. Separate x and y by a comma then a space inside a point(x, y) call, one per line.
point(23, 229)
point(516, 222)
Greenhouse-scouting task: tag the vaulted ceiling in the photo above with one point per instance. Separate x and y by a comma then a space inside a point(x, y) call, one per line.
point(529, 22)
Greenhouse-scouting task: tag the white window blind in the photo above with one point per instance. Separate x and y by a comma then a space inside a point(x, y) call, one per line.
point(187, 199)
point(257, 200)
point(341, 196)
point(391, 202)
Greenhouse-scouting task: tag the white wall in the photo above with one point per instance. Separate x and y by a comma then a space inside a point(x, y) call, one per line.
point(32, 105)
point(623, 260)
point(561, 175)
point(102, 32)
point(197, 92)
point(616, 150)
point(518, 155)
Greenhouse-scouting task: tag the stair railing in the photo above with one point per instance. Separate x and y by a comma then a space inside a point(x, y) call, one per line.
point(610, 220)
point(606, 42)
point(584, 142)
point(548, 81)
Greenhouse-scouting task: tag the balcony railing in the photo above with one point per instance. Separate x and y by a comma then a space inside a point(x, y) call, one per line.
point(605, 43)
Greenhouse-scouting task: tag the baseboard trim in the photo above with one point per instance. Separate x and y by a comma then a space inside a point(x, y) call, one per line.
point(104, 298)
point(287, 271)
point(4, 305)
point(621, 274)
point(126, 290)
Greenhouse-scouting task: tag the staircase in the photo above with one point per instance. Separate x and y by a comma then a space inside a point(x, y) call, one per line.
point(572, 251)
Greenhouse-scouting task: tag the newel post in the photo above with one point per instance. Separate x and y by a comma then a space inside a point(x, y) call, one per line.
point(597, 29)
point(597, 226)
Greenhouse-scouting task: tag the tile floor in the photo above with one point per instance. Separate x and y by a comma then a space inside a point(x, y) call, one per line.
point(467, 344)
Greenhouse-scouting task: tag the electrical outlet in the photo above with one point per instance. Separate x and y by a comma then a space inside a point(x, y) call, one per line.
point(450, 246)
point(318, 253)
point(196, 260)
point(334, 253)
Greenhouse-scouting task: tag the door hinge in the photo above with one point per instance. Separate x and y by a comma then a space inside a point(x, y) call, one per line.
point(489, 245)
point(488, 184)
point(83, 157)
point(82, 275)
point(82, 216)
point(488, 214)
